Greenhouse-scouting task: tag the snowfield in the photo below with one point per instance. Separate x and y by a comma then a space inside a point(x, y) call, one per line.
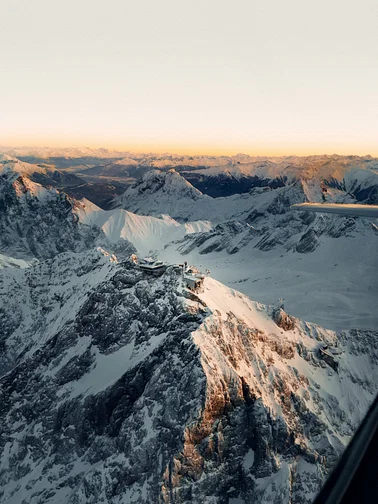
point(144, 232)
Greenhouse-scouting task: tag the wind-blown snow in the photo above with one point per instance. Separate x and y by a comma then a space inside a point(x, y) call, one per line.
point(11, 262)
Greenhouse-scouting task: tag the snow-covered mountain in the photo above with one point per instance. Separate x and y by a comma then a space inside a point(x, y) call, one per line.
point(262, 217)
point(123, 387)
point(258, 244)
point(251, 241)
point(9, 164)
point(144, 232)
point(118, 386)
point(352, 174)
point(216, 176)
point(36, 222)
point(158, 193)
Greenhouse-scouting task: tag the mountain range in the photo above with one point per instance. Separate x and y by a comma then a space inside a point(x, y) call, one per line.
point(118, 386)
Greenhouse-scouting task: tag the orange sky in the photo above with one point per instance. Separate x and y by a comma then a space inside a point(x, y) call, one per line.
point(268, 149)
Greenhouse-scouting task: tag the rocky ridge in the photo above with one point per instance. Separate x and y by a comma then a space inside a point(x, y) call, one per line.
point(39, 222)
point(138, 390)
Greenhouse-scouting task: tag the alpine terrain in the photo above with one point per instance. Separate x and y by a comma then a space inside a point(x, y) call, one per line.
point(260, 246)
point(129, 380)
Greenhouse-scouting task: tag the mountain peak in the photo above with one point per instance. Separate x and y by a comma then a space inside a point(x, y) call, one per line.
point(169, 181)
point(127, 367)
point(158, 193)
point(39, 222)
point(9, 164)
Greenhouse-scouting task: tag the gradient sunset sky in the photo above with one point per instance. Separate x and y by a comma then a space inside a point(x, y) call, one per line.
point(261, 77)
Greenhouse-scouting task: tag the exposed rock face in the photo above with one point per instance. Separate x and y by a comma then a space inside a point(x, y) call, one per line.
point(39, 222)
point(308, 242)
point(230, 236)
point(283, 320)
point(135, 391)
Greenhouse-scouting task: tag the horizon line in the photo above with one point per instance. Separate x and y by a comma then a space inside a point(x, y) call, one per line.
point(181, 152)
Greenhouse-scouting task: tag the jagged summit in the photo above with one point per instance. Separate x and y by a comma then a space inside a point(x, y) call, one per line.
point(126, 368)
point(168, 182)
point(39, 222)
point(158, 193)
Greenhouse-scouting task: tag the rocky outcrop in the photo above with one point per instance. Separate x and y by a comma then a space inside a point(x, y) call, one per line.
point(283, 320)
point(230, 236)
point(135, 391)
point(39, 223)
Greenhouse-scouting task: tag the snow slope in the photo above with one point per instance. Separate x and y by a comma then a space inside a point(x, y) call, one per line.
point(128, 368)
point(9, 164)
point(324, 265)
point(336, 285)
point(145, 233)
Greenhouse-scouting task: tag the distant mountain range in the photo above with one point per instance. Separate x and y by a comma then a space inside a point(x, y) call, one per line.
point(213, 175)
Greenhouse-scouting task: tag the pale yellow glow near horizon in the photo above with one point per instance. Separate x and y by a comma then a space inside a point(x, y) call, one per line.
point(216, 77)
point(196, 149)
